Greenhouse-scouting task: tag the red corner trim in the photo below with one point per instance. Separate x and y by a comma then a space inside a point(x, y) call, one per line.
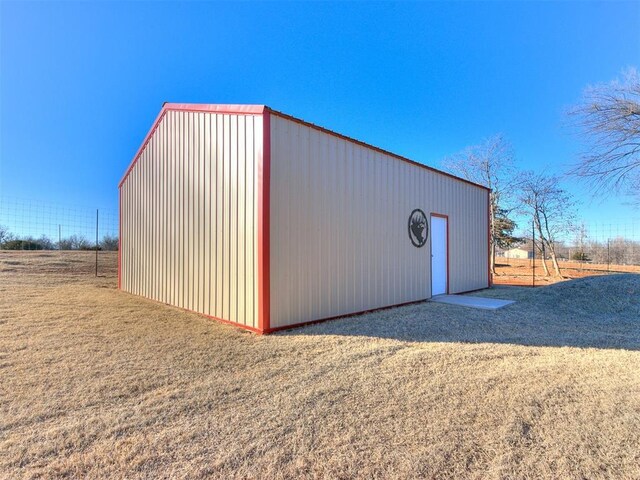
point(447, 218)
point(489, 279)
point(119, 238)
point(264, 251)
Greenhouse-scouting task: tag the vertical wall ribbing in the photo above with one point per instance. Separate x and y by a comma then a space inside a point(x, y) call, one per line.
point(339, 239)
point(189, 211)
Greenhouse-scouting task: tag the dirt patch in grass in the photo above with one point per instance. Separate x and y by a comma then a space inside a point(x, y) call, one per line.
point(97, 383)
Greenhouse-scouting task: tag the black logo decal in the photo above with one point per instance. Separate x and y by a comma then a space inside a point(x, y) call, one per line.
point(418, 228)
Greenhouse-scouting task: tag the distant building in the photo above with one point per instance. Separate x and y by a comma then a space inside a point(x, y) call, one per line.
point(523, 253)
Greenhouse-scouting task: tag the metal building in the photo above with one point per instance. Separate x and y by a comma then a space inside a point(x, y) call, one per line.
point(257, 218)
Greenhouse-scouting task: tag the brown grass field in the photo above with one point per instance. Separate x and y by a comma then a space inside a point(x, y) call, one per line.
point(96, 383)
point(512, 271)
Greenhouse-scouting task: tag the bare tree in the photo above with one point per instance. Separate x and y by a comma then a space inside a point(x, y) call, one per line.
point(109, 243)
point(553, 211)
point(75, 242)
point(491, 164)
point(5, 235)
point(580, 241)
point(609, 118)
point(45, 242)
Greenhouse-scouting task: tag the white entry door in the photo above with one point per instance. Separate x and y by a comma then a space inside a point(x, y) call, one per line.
point(439, 255)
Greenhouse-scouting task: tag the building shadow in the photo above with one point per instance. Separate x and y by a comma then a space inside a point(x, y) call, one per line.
point(592, 312)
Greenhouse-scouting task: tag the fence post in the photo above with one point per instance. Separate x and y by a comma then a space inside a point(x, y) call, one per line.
point(96, 242)
point(533, 252)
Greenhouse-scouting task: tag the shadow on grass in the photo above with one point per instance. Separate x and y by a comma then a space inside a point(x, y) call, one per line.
point(591, 312)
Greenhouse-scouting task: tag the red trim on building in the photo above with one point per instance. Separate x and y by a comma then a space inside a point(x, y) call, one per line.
point(144, 144)
point(285, 327)
point(469, 291)
point(489, 278)
point(119, 238)
point(264, 233)
point(337, 317)
point(236, 109)
point(221, 320)
point(191, 107)
point(263, 185)
point(373, 147)
point(260, 109)
point(446, 217)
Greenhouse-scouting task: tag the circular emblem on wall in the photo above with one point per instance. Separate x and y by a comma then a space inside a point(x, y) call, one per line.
point(418, 228)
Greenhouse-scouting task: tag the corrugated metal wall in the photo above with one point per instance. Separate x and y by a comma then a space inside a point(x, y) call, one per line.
point(339, 227)
point(189, 215)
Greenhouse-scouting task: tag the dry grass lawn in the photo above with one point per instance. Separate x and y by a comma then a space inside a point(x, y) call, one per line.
point(96, 383)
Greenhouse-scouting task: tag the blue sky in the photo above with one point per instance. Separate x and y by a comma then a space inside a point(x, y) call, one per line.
point(81, 83)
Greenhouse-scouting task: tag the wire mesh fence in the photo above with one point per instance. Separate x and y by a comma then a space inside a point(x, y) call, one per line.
point(611, 244)
point(592, 249)
point(35, 225)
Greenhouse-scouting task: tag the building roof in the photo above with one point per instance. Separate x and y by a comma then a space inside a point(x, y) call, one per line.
point(260, 109)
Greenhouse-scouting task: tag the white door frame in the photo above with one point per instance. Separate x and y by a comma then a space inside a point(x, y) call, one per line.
point(446, 222)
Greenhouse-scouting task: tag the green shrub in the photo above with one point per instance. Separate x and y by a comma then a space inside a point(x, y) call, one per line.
point(580, 256)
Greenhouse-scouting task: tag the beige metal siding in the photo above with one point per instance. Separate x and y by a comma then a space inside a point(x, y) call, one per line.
point(339, 220)
point(189, 215)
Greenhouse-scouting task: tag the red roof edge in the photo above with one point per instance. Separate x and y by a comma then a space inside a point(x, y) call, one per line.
point(258, 110)
point(373, 147)
point(190, 107)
